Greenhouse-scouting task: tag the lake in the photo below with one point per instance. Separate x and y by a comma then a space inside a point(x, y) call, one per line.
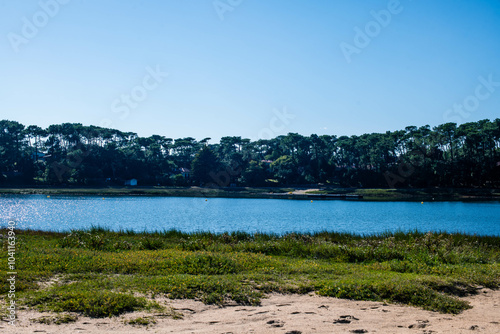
point(63, 213)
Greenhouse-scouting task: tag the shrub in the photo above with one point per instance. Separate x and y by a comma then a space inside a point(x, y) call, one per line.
point(90, 303)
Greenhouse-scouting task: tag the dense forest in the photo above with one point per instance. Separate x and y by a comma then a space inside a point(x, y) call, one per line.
point(467, 155)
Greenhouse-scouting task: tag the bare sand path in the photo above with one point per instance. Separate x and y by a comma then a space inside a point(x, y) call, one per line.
point(290, 314)
point(304, 191)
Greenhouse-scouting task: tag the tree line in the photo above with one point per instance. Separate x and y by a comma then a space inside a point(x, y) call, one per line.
point(448, 155)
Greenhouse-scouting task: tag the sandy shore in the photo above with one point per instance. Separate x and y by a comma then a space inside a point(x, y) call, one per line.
point(290, 314)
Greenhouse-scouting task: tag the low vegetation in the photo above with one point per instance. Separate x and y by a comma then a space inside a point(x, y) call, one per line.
point(101, 273)
point(141, 321)
point(57, 319)
point(414, 194)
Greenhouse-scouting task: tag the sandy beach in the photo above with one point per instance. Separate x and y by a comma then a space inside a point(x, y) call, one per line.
point(290, 314)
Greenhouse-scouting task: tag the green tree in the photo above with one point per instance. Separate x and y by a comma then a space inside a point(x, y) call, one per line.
point(205, 164)
point(285, 170)
point(254, 175)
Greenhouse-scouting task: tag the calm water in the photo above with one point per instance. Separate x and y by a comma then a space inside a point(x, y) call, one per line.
point(63, 213)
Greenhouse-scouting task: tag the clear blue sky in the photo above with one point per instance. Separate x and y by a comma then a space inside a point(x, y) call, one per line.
point(226, 76)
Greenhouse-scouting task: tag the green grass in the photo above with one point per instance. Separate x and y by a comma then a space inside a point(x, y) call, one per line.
point(91, 303)
point(415, 194)
point(102, 273)
point(57, 319)
point(141, 321)
point(230, 192)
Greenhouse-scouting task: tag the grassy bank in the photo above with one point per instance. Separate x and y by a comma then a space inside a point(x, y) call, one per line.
point(429, 194)
point(150, 191)
point(413, 194)
point(100, 273)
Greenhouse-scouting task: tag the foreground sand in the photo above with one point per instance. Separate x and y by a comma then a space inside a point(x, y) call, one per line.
point(290, 314)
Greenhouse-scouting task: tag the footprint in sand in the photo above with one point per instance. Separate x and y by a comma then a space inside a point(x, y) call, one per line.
point(348, 317)
point(420, 324)
point(345, 319)
point(185, 309)
point(263, 312)
point(276, 323)
point(342, 321)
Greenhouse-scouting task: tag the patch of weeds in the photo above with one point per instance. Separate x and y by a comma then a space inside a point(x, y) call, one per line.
point(218, 290)
point(95, 304)
point(172, 313)
point(84, 239)
point(151, 244)
point(57, 319)
point(396, 291)
point(141, 321)
point(210, 264)
point(122, 245)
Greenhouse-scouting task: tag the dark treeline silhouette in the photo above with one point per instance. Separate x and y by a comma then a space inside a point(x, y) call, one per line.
point(447, 155)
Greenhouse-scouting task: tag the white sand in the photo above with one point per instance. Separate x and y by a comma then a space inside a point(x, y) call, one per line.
point(289, 313)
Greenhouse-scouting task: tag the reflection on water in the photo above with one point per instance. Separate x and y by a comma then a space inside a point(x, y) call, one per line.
point(63, 213)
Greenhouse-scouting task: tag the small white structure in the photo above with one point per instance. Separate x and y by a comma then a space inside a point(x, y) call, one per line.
point(185, 172)
point(131, 182)
point(38, 156)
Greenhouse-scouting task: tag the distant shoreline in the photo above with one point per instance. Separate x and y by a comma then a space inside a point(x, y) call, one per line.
point(294, 193)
